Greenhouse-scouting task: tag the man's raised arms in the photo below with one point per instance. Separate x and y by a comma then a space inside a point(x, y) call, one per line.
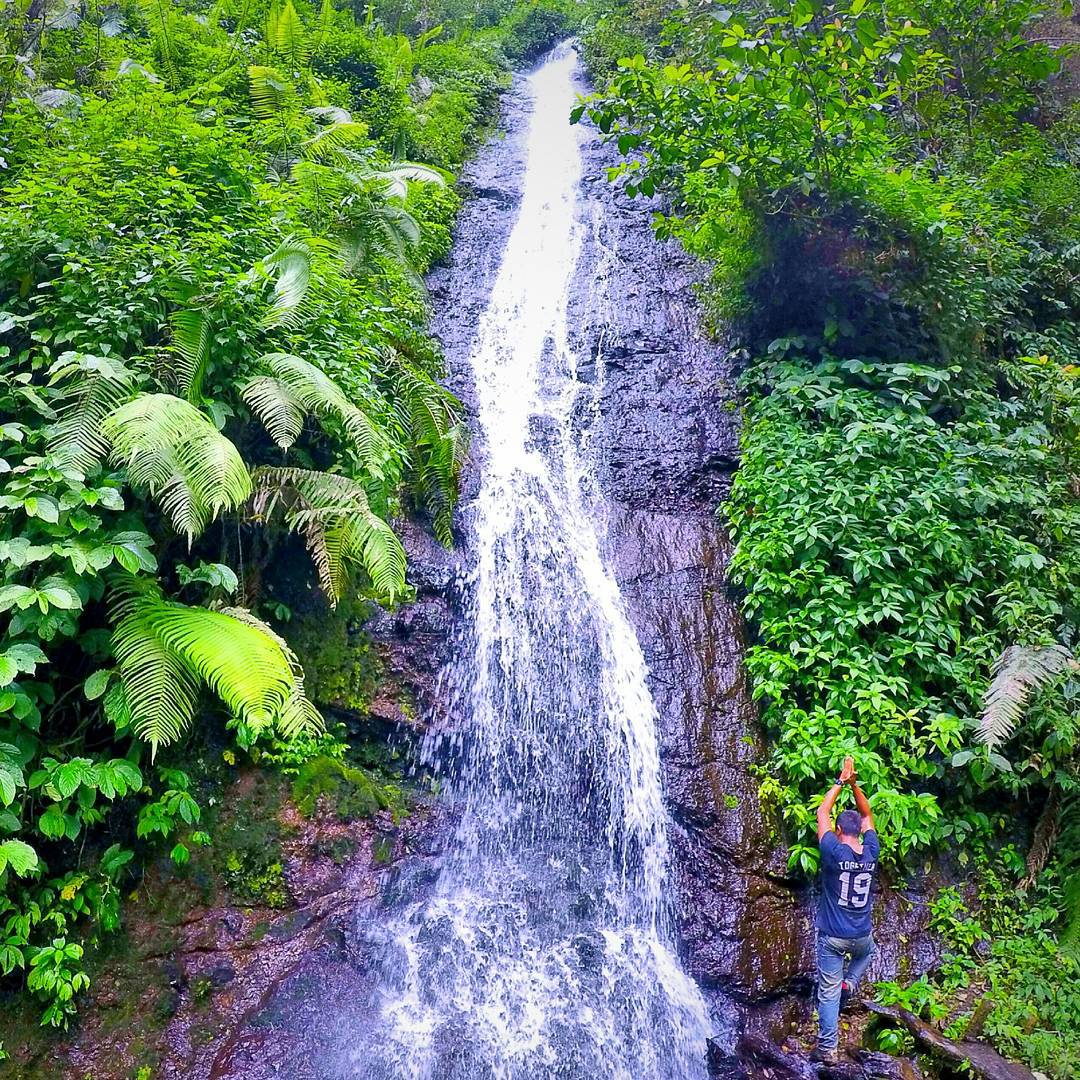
point(824, 811)
point(862, 804)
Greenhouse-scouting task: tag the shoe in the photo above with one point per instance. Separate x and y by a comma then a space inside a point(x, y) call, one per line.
point(824, 1057)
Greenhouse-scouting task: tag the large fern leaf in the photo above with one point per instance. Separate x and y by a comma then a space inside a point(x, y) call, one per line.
point(173, 451)
point(396, 177)
point(331, 139)
point(166, 651)
point(277, 408)
point(89, 388)
point(339, 528)
point(312, 390)
point(431, 415)
point(191, 334)
point(1018, 671)
point(298, 713)
point(288, 37)
point(272, 93)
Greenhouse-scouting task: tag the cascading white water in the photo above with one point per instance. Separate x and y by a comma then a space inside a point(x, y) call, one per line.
point(544, 948)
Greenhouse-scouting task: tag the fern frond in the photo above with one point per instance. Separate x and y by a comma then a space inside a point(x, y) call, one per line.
point(90, 387)
point(165, 651)
point(173, 451)
point(396, 178)
point(333, 138)
point(289, 40)
point(1018, 671)
point(298, 714)
point(159, 689)
point(314, 391)
point(333, 114)
point(276, 406)
point(322, 26)
point(191, 332)
point(272, 93)
point(339, 528)
point(431, 415)
point(290, 265)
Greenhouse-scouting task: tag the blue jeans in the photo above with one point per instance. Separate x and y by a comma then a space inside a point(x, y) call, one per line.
point(834, 969)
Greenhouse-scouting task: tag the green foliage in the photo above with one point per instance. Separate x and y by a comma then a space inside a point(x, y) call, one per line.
point(1002, 970)
point(212, 231)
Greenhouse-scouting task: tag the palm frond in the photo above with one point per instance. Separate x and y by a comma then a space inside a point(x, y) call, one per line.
point(315, 392)
point(191, 333)
point(272, 93)
point(172, 450)
point(89, 388)
point(339, 528)
point(1018, 671)
point(165, 651)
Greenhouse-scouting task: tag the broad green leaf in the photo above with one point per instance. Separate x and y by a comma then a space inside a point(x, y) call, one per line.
point(18, 855)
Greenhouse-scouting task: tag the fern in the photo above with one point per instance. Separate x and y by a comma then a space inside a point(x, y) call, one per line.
point(272, 93)
point(173, 451)
point(333, 114)
point(395, 178)
point(286, 35)
point(339, 528)
point(89, 388)
point(1018, 671)
point(277, 408)
point(191, 333)
point(290, 266)
point(431, 416)
point(303, 389)
point(325, 21)
point(298, 714)
point(332, 138)
point(167, 651)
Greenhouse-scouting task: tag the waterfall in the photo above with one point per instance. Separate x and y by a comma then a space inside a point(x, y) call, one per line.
point(544, 948)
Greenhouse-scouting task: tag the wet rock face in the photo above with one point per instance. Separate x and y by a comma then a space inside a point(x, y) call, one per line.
point(667, 444)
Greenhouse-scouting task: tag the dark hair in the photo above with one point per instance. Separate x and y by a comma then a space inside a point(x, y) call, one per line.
point(849, 822)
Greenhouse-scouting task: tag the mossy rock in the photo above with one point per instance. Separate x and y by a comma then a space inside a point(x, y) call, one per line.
point(352, 792)
point(247, 843)
point(342, 667)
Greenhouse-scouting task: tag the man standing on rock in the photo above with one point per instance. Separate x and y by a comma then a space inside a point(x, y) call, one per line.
point(845, 940)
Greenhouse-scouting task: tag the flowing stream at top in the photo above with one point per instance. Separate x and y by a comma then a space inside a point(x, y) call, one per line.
point(544, 948)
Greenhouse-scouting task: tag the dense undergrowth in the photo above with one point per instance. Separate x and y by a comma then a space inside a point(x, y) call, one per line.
point(214, 218)
point(887, 194)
